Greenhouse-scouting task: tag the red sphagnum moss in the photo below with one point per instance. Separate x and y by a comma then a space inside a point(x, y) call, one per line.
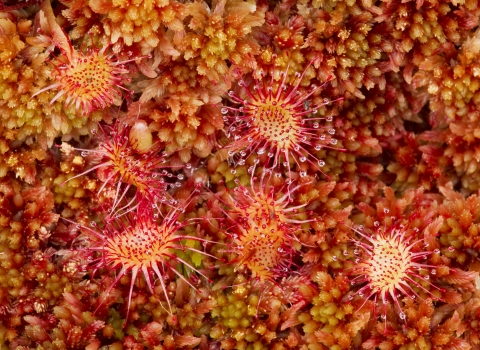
point(299, 121)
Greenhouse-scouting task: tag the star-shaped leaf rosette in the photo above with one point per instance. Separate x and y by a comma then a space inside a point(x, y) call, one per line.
point(397, 255)
point(86, 80)
point(147, 244)
point(275, 121)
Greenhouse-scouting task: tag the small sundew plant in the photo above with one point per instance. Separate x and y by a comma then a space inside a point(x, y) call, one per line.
point(89, 80)
point(390, 264)
point(278, 123)
point(143, 243)
point(264, 229)
point(127, 157)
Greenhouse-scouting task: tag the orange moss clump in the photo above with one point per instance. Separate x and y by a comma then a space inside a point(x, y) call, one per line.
point(331, 321)
point(244, 319)
point(69, 327)
point(21, 161)
point(416, 164)
point(460, 228)
point(219, 35)
point(182, 108)
point(142, 22)
point(29, 281)
point(342, 34)
point(428, 328)
point(10, 41)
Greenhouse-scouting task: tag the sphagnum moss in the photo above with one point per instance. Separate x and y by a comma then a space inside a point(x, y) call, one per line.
point(404, 167)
